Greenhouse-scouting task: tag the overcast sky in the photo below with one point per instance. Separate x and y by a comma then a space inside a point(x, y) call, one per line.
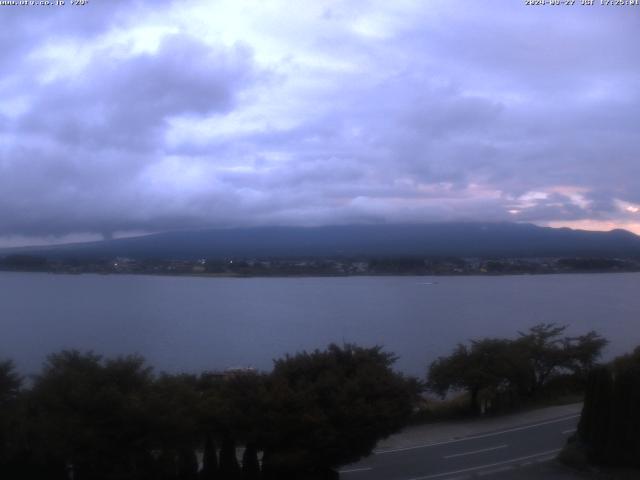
point(123, 117)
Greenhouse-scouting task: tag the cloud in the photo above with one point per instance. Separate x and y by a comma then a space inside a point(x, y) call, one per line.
point(123, 103)
point(140, 116)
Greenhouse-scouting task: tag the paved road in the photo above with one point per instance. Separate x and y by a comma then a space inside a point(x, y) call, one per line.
point(473, 456)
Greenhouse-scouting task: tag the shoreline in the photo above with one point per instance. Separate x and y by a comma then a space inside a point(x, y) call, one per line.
point(327, 275)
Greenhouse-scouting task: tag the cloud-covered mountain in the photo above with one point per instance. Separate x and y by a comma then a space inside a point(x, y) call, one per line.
point(138, 116)
point(437, 239)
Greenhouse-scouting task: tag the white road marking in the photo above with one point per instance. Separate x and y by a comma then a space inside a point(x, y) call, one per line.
point(353, 470)
point(489, 449)
point(489, 465)
point(493, 471)
point(474, 437)
point(567, 432)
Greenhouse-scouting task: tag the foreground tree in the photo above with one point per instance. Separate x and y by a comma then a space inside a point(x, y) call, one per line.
point(89, 416)
point(175, 429)
point(232, 413)
point(10, 383)
point(329, 408)
point(550, 353)
point(486, 366)
point(610, 420)
point(583, 353)
point(520, 368)
point(595, 420)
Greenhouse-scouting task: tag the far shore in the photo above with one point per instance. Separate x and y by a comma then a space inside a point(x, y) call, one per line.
point(325, 275)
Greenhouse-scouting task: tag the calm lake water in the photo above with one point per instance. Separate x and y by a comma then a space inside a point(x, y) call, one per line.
point(192, 324)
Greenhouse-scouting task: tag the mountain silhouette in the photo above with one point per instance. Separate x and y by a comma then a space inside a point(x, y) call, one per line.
point(387, 240)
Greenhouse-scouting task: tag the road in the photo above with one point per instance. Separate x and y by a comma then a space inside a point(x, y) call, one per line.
point(473, 456)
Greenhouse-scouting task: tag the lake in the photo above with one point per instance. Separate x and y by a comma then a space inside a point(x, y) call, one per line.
point(192, 324)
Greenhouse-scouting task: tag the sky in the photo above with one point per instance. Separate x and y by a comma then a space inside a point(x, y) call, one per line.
point(125, 117)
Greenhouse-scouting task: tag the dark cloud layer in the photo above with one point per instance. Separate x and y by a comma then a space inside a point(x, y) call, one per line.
point(147, 116)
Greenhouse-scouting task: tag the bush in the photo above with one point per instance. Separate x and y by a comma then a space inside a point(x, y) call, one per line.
point(610, 419)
